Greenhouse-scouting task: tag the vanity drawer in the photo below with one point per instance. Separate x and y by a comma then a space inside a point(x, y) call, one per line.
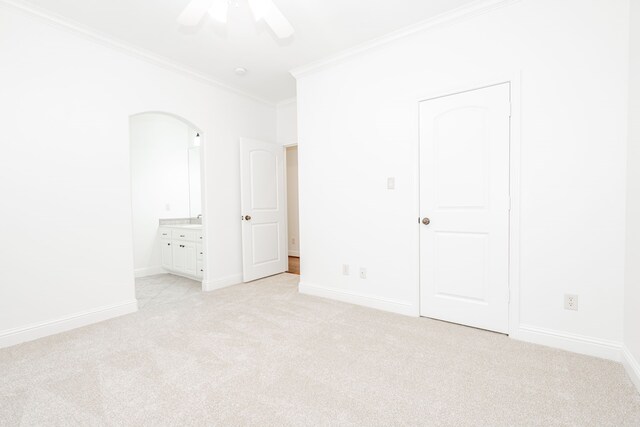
point(199, 251)
point(185, 235)
point(165, 233)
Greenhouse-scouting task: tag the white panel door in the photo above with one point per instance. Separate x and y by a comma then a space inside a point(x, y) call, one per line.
point(464, 205)
point(264, 230)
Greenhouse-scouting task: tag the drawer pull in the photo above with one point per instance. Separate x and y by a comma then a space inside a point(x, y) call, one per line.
point(182, 246)
point(182, 235)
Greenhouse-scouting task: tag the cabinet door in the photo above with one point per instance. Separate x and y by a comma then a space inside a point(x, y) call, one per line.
point(167, 255)
point(179, 256)
point(192, 256)
point(199, 269)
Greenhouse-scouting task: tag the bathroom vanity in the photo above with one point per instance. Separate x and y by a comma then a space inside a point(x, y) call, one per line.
point(182, 249)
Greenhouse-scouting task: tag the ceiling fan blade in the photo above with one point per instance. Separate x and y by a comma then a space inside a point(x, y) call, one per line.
point(194, 12)
point(269, 12)
point(219, 11)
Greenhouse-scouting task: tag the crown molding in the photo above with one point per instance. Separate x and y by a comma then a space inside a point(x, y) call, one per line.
point(286, 102)
point(124, 47)
point(470, 10)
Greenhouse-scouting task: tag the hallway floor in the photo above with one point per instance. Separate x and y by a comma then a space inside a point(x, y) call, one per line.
point(261, 354)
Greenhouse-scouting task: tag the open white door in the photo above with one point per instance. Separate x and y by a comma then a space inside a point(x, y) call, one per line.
point(264, 229)
point(464, 203)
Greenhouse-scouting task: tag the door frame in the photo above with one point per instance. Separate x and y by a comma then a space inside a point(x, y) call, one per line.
point(203, 185)
point(286, 195)
point(514, 80)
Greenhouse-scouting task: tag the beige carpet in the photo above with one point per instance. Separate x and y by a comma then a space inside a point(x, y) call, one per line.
point(261, 354)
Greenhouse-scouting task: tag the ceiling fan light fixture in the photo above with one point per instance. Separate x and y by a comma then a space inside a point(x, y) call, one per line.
point(266, 10)
point(262, 10)
point(219, 11)
point(194, 12)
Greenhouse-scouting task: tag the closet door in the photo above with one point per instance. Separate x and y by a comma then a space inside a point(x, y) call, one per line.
point(464, 204)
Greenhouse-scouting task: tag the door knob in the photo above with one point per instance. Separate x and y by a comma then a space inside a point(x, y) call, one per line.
point(247, 218)
point(426, 221)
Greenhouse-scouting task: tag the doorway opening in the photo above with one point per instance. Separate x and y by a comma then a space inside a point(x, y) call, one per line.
point(293, 237)
point(166, 206)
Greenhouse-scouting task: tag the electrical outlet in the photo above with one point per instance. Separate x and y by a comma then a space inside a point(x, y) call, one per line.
point(293, 240)
point(571, 302)
point(345, 269)
point(363, 273)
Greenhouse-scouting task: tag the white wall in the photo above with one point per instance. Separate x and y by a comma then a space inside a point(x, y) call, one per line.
point(160, 182)
point(287, 123)
point(292, 201)
point(66, 193)
point(632, 285)
point(358, 124)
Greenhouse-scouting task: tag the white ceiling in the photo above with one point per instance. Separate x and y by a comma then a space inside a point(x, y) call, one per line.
point(323, 28)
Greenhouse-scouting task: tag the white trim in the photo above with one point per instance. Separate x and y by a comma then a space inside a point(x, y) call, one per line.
point(124, 47)
point(39, 330)
point(590, 346)
point(286, 102)
point(632, 366)
point(470, 10)
point(223, 282)
point(394, 306)
point(149, 271)
point(294, 253)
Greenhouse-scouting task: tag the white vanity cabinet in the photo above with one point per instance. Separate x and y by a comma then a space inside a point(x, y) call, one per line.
point(181, 248)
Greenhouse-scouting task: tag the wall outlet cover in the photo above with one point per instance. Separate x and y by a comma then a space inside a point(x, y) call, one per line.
point(571, 302)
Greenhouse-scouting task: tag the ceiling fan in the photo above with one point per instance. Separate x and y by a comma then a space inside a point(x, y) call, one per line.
point(264, 10)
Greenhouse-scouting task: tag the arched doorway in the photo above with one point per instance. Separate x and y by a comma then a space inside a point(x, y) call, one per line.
point(167, 207)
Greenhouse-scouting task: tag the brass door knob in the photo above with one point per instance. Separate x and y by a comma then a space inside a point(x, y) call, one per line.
point(247, 218)
point(426, 221)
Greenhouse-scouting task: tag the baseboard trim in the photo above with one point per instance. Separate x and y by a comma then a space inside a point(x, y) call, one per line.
point(294, 253)
point(575, 343)
point(632, 366)
point(148, 271)
point(378, 303)
point(43, 329)
point(212, 285)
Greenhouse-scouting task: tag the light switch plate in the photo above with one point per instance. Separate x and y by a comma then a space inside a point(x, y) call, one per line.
point(391, 183)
